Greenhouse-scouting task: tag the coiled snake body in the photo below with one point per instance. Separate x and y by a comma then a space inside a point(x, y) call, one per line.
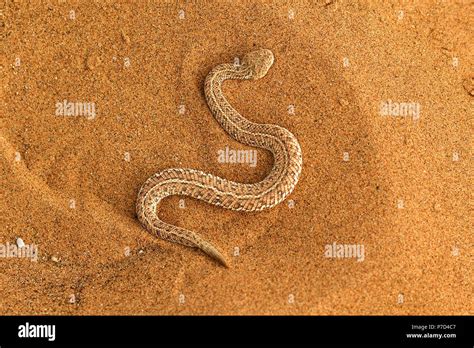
point(212, 189)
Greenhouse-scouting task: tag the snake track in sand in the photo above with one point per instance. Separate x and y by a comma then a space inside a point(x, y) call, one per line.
point(212, 189)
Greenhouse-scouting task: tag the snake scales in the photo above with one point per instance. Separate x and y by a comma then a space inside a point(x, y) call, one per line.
point(212, 189)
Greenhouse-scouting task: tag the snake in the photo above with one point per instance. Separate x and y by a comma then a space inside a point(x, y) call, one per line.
point(237, 196)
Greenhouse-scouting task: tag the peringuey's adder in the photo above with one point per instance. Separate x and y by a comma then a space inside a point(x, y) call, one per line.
point(212, 189)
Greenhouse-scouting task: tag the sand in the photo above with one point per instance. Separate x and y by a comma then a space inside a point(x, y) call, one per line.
point(394, 184)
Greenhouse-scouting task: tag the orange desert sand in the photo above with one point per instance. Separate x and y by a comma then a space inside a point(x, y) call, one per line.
point(379, 95)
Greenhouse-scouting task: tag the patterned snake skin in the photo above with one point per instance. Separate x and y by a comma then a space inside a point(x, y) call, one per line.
point(212, 189)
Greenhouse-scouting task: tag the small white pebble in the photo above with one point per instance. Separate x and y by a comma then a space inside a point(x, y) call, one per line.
point(54, 259)
point(20, 243)
point(140, 251)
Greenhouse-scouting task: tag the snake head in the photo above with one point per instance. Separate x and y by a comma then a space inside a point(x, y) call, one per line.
point(259, 62)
